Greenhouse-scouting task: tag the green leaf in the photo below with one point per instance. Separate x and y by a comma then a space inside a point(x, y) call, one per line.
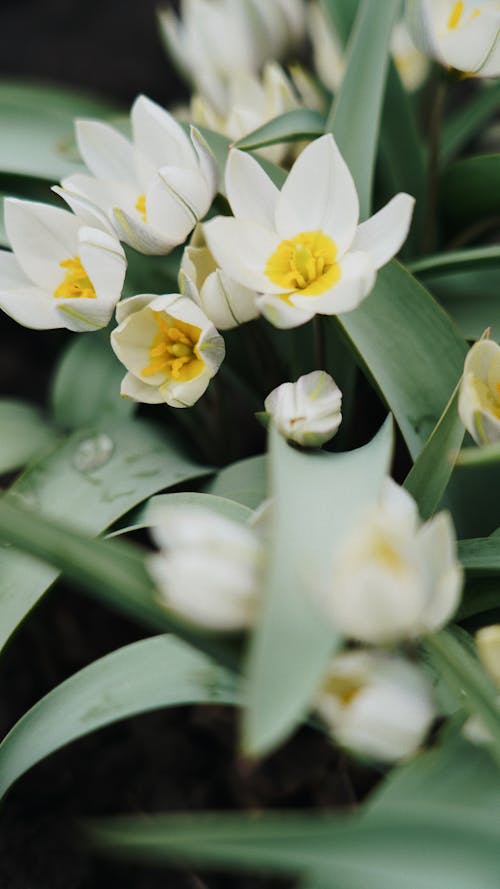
point(93, 478)
point(355, 116)
point(37, 129)
point(470, 297)
point(25, 433)
point(431, 472)
point(340, 16)
point(469, 190)
point(292, 126)
point(480, 556)
point(410, 348)
point(220, 145)
point(479, 456)
point(465, 676)
point(143, 517)
point(456, 261)
point(88, 367)
point(148, 675)
point(469, 120)
point(316, 496)
point(244, 481)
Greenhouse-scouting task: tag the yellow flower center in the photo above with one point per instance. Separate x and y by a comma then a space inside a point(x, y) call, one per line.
point(305, 263)
point(141, 206)
point(76, 283)
point(174, 350)
point(344, 688)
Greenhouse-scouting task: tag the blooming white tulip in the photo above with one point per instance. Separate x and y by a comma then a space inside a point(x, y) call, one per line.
point(252, 102)
point(169, 347)
point(462, 35)
point(223, 300)
point(301, 248)
point(216, 40)
point(479, 399)
point(375, 705)
point(61, 273)
point(394, 578)
point(208, 567)
point(329, 55)
point(151, 191)
point(308, 411)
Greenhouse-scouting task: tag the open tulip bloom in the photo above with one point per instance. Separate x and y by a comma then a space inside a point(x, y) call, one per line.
point(61, 273)
point(462, 35)
point(152, 191)
point(302, 248)
point(169, 347)
point(479, 400)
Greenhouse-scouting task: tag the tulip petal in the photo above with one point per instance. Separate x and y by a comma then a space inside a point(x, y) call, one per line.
point(88, 212)
point(188, 188)
point(383, 234)
point(106, 153)
point(242, 249)
point(139, 235)
point(206, 160)
point(159, 137)
point(281, 313)
point(319, 194)
point(436, 542)
point(41, 237)
point(25, 303)
point(133, 304)
point(358, 278)
point(185, 394)
point(104, 261)
point(135, 389)
point(250, 192)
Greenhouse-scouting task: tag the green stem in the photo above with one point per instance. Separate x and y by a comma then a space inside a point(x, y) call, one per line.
point(319, 343)
point(435, 127)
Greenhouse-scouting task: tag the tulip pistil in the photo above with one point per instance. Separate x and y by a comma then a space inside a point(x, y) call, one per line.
point(77, 283)
point(305, 263)
point(174, 349)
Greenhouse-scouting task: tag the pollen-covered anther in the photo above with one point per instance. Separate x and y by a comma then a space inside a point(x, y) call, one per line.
point(174, 350)
point(77, 283)
point(305, 263)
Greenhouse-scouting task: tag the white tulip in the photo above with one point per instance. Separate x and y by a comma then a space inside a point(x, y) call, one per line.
point(479, 399)
point(488, 648)
point(61, 273)
point(152, 191)
point(394, 578)
point(308, 411)
point(169, 347)
point(215, 40)
point(301, 248)
point(223, 300)
point(462, 35)
point(375, 705)
point(208, 567)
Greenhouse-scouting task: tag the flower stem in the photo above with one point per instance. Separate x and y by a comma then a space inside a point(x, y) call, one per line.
point(319, 343)
point(435, 126)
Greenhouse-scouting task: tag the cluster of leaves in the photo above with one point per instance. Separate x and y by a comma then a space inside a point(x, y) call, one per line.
point(92, 467)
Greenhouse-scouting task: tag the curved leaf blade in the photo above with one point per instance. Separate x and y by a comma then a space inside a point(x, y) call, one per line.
point(24, 433)
point(292, 126)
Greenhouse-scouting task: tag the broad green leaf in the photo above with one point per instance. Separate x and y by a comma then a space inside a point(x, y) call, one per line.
point(479, 456)
point(154, 673)
point(316, 496)
point(456, 261)
point(469, 190)
point(431, 472)
point(292, 126)
point(465, 676)
point(24, 434)
point(410, 348)
point(469, 120)
point(93, 478)
point(470, 297)
point(144, 515)
point(113, 571)
point(472, 496)
point(355, 116)
point(86, 385)
point(244, 481)
point(37, 129)
point(480, 556)
point(220, 145)
point(340, 16)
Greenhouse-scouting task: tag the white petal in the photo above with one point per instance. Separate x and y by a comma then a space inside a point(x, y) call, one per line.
point(84, 315)
point(106, 153)
point(437, 547)
point(101, 193)
point(281, 314)
point(358, 278)
point(139, 235)
point(158, 135)
point(242, 249)
point(383, 235)
point(41, 237)
point(135, 389)
point(206, 160)
point(133, 304)
point(185, 394)
point(250, 192)
point(226, 302)
point(26, 304)
point(103, 258)
point(88, 212)
point(319, 194)
point(189, 187)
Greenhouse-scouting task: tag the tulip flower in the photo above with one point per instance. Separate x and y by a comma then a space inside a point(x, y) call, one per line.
point(308, 411)
point(488, 648)
point(301, 248)
point(463, 35)
point(394, 578)
point(375, 705)
point(152, 191)
point(479, 399)
point(169, 347)
point(208, 567)
point(61, 273)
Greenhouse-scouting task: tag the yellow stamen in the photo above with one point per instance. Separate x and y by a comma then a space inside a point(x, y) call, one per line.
point(305, 264)
point(174, 350)
point(456, 15)
point(77, 283)
point(345, 688)
point(141, 206)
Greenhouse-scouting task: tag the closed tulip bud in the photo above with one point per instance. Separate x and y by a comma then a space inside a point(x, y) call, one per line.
point(479, 400)
point(308, 411)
